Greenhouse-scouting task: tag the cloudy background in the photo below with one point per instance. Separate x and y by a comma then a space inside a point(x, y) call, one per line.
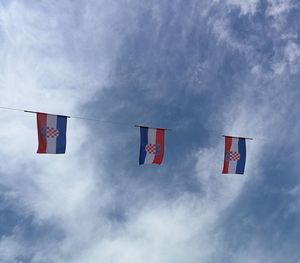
point(203, 68)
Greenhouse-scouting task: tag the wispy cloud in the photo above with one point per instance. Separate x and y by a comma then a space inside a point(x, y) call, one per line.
point(201, 64)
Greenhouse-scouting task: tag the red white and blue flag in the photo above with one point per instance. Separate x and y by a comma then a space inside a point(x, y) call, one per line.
point(152, 145)
point(235, 155)
point(51, 133)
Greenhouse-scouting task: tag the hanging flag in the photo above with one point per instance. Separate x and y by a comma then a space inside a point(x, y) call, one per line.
point(235, 155)
point(51, 133)
point(152, 145)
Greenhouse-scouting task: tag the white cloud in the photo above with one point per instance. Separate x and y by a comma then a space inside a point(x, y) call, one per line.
point(278, 11)
point(292, 54)
point(70, 191)
point(246, 7)
point(278, 7)
point(39, 71)
point(10, 249)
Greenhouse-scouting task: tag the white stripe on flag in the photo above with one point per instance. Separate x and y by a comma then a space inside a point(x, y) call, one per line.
point(51, 142)
point(234, 148)
point(151, 140)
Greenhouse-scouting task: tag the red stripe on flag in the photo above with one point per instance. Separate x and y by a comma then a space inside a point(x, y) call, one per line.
point(160, 138)
point(228, 142)
point(41, 123)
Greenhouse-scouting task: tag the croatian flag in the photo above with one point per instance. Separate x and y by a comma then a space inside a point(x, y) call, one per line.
point(235, 155)
point(51, 133)
point(152, 145)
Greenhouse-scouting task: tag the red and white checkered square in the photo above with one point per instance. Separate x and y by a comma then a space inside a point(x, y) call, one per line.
point(151, 148)
point(234, 156)
point(52, 132)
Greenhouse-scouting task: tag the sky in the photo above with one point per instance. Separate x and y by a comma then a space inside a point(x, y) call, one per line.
point(202, 68)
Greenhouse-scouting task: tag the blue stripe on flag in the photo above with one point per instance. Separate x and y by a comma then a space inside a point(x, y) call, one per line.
point(144, 142)
point(61, 139)
point(240, 167)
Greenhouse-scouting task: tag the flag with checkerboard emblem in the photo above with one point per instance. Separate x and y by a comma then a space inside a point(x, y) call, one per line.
point(235, 155)
point(51, 133)
point(152, 145)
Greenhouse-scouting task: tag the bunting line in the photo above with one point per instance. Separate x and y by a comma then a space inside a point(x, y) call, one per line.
point(144, 126)
point(7, 108)
point(35, 112)
point(237, 137)
point(75, 117)
point(113, 122)
point(52, 140)
point(29, 111)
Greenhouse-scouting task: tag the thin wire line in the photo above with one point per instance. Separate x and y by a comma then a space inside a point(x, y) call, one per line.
point(35, 112)
point(88, 119)
point(247, 138)
point(96, 120)
point(6, 108)
point(143, 126)
point(29, 111)
point(74, 117)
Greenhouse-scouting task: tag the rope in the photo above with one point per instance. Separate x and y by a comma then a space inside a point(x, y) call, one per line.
point(29, 111)
point(6, 108)
point(98, 120)
point(73, 117)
